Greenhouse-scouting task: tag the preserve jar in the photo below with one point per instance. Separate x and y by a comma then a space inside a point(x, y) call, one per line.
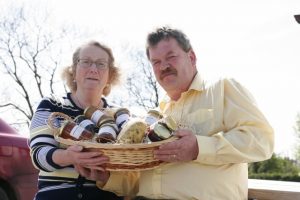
point(70, 130)
point(94, 114)
point(86, 123)
point(108, 130)
point(152, 117)
point(121, 116)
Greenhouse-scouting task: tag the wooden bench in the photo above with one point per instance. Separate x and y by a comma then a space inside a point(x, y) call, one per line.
point(273, 190)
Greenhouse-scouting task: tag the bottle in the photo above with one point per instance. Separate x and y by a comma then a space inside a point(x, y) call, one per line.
point(70, 130)
point(121, 116)
point(86, 123)
point(94, 114)
point(107, 130)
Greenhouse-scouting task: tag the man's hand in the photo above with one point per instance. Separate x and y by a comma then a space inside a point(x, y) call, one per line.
point(183, 149)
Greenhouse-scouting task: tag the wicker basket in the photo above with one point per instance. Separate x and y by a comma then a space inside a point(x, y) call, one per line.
point(122, 157)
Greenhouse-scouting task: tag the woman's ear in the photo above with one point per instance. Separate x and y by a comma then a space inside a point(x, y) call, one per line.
point(106, 89)
point(73, 72)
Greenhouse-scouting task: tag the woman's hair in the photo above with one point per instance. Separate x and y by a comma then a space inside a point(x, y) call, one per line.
point(69, 72)
point(165, 33)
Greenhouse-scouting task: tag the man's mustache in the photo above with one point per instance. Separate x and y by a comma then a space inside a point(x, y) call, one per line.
point(168, 71)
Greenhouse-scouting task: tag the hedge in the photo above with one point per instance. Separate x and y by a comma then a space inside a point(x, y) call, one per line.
point(276, 176)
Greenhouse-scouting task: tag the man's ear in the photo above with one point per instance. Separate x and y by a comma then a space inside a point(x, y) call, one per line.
point(192, 57)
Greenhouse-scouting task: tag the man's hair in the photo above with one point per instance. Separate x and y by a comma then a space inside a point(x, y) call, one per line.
point(165, 33)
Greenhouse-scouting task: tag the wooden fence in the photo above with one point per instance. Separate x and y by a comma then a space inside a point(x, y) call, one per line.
point(273, 190)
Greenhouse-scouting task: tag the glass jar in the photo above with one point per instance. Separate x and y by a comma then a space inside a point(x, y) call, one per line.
point(121, 116)
point(94, 114)
point(162, 129)
point(70, 130)
point(108, 130)
point(152, 117)
point(86, 123)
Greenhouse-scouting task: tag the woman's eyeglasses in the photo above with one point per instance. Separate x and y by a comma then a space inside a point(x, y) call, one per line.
point(85, 63)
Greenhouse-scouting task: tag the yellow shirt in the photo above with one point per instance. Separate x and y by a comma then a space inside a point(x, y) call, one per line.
point(230, 131)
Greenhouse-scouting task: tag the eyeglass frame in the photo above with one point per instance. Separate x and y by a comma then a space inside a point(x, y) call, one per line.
point(90, 63)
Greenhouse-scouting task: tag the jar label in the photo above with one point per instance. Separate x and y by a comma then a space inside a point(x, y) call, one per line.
point(107, 129)
point(86, 123)
point(121, 119)
point(150, 119)
point(96, 116)
point(76, 131)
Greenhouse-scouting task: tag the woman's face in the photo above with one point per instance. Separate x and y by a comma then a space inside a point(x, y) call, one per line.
point(92, 71)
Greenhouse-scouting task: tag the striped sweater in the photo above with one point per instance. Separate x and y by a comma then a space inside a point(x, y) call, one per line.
point(43, 144)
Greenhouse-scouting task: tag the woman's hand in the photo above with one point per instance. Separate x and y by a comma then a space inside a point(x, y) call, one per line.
point(88, 164)
point(74, 155)
point(87, 159)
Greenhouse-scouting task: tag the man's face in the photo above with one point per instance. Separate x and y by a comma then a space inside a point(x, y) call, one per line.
point(174, 68)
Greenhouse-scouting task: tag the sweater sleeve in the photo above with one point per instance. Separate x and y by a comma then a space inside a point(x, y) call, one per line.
point(42, 143)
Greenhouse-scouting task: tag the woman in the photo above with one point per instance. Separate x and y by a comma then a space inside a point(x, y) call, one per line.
point(62, 171)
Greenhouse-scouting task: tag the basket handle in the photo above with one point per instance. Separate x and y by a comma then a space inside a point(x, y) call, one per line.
point(51, 120)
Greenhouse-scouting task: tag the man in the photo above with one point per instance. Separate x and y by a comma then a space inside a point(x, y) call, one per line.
point(222, 130)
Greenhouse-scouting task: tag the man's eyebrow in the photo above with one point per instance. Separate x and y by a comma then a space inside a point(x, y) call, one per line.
point(154, 60)
point(167, 54)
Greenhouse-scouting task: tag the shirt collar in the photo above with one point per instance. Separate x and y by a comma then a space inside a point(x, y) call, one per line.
point(196, 85)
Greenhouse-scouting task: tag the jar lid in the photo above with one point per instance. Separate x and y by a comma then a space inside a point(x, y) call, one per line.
point(80, 118)
point(106, 119)
point(170, 122)
point(156, 113)
point(89, 111)
point(121, 111)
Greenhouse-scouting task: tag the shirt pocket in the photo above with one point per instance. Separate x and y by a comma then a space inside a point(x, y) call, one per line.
point(200, 121)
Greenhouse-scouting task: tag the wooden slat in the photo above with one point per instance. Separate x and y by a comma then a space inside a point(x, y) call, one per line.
point(273, 190)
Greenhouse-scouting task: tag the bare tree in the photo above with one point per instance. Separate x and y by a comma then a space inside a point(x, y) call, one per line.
point(31, 52)
point(141, 84)
point(27, 59)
